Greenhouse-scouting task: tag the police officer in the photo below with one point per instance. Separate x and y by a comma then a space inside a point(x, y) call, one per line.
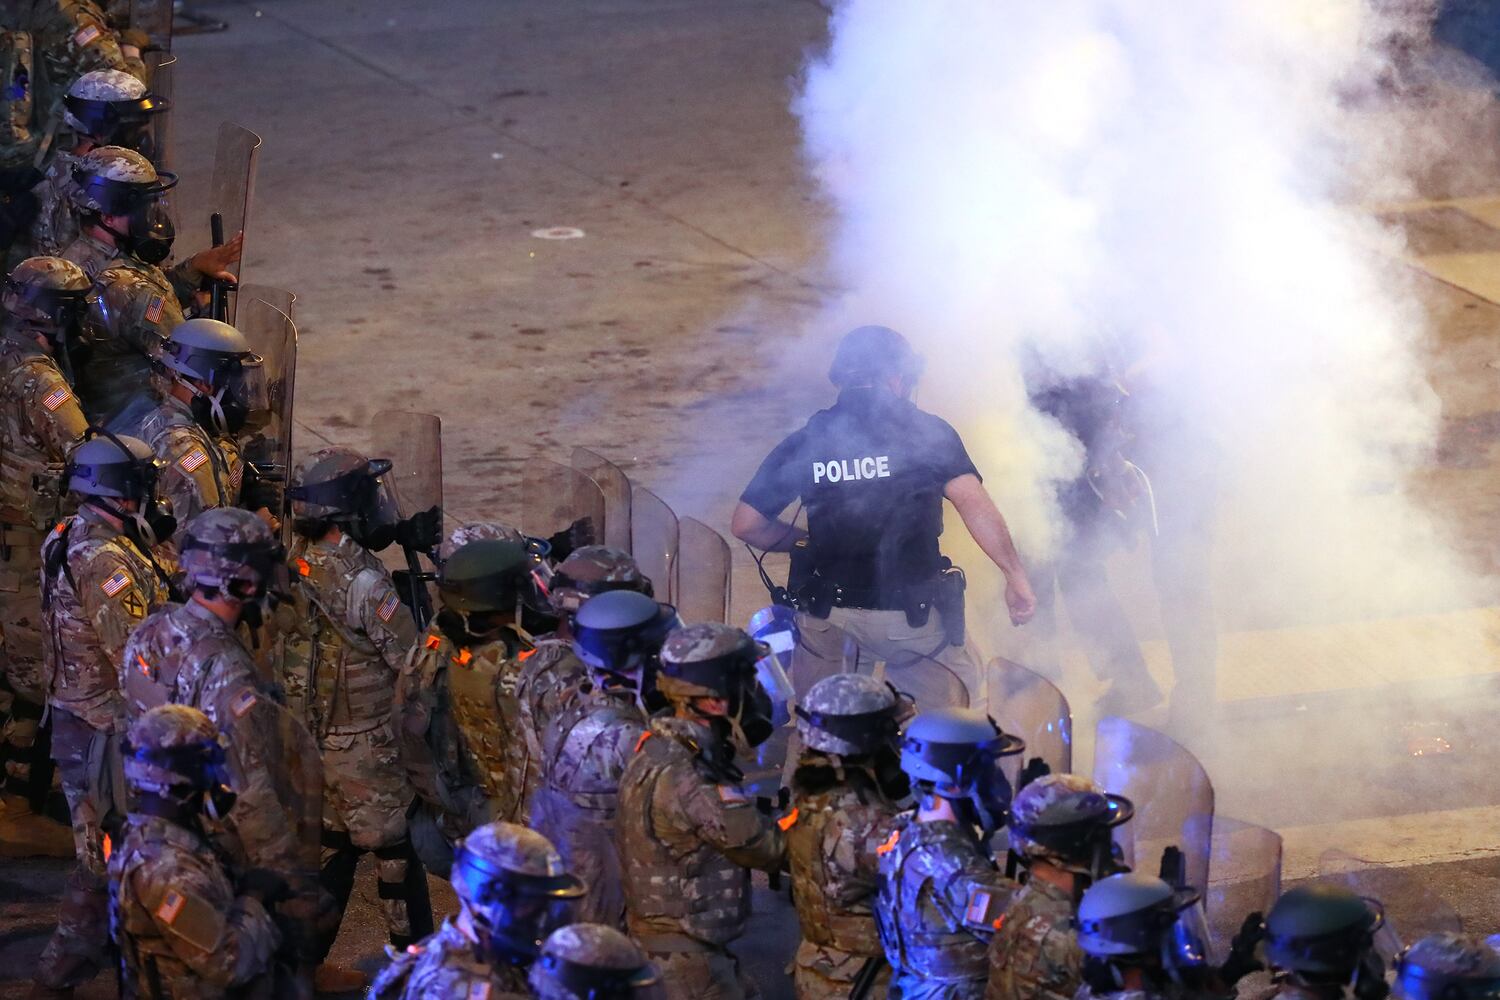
point(585, 750)
point(1320, 943)
point(124, 234)
point(872, 472)
point(101, 574)
point(182, 927)
point(553, 677)
point(588, 961)
point(352, 635)
point(1448, 966)
point(1142, 940)
point(687, 832)
point(1061, 833)
point(40, 422)
point(939, 891)
point(104, 107)
point(206, 383)
point(513, 890)
point(846, 789)
point(460, 719)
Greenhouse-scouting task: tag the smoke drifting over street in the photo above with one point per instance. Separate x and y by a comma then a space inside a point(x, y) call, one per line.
point(1185, 179)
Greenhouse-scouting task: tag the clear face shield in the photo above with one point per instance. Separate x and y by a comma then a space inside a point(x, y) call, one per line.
point(1185, 945)
point(512, 913)
point(775, 630)
point(248, 391)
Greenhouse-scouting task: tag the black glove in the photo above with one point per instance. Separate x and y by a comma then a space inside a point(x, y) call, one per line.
point(575, 536)
point(1242, 961)
point(1035, 768)
point(422, 531)
point(265, 885)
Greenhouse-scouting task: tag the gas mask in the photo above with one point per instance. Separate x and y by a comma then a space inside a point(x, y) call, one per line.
point(207, 793)
point(241, 390)
point(375, 520)
point(149, 235)
point(366, 508)
point(150, 524)
point(56, 315)
point(512, 914)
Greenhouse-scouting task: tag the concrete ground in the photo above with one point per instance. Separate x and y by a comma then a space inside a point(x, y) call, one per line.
point(411, 154)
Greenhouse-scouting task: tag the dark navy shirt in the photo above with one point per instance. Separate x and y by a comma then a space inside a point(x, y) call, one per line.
point(870, 470)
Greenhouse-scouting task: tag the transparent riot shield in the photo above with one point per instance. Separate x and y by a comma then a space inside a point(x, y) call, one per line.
point(1174, 800)
point(163, 71)
point(413, 443)
point(929, 681)
point(1244, 877)
point(299, 784)
point(267, 447)
point(235, 155)
point(702, 573)
point(279, 297)
point(654, 536)
point(1412, 910)
point(154, 17)
point(1030, 706)
point(616, 489)
point(555, 497)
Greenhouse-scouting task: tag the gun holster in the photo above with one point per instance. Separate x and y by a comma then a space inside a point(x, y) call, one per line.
point(805, 589)
point(948, 597)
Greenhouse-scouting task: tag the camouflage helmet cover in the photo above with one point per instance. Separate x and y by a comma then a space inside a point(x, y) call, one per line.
point(588, 961)
point(100, 101)
point(113, 180)
point(522, 859)
point(590, 570)
point(851, 714)
point(1061, 817)
point(45, 289)
point(227, 546)
point(1448, 966)
point(709, 660)
point(326, 465)
point(479, 531)
point(172, 745)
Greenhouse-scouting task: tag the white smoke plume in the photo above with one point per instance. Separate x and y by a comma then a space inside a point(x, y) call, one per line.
point(1187, 174)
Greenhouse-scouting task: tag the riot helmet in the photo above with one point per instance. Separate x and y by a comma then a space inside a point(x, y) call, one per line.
point(1448, 966)
point(514, 890)
point(1325, 933)
point(591, 962)
point(476, 531)
point(1068, 821)
point(483, 585)
point(955, 754)
point(592, 570)
point(717, 661)
point(339, 486)
point(113, 109)
point(114, 181)
point(176, 766)
point(619, 634)
point(107, 467)
point(50, 296)
point(214, 363)
point(867, 355)
point(1137, 920)
point(232, 553)
point(852, 715)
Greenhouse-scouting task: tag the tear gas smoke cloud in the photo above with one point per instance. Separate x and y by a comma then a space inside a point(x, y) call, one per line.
point(1180, 175)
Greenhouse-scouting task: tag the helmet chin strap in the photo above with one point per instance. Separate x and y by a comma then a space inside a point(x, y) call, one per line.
point(215, 402)
point(143, 531)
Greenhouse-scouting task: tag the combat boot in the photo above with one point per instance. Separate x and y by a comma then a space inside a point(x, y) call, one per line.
point(28, 834)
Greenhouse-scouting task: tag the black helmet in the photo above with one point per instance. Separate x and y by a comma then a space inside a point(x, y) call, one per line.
point(1322, 931)
point(620, 632)
point(869, 353)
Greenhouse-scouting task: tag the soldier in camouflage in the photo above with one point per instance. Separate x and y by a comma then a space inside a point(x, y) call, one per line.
point(845, 791)
point(1060, 832)
point(513, 890)
point(206, 383)
point(940, 893)
point(101, 575)
point(351, 635)
point(102, 108)
point(687, 832)
point(1142, 940)
point(586, 748)
point(1320, 943)
point(182, 927)
point(1448, 966)
point(40, 422)
point(124, 234)
point(553, 678)
point(585, 961)
point(460, 721)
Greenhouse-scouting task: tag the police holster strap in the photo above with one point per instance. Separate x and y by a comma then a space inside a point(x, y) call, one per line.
point(817, 595)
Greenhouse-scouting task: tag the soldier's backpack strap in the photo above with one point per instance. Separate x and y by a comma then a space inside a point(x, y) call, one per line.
point(55, 558)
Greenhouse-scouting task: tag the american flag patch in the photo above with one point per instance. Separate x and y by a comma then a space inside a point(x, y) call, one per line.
point(86, 35)
point(243, 702)
point(153, 309)
point(193, 460)
point(116, 583)
point(171, 906)
point(56, 398)
point(388, 607)
point(236, 476)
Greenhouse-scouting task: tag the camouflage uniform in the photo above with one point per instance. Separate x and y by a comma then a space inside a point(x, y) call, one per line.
point(461, 727)
point(584, 753)
point(40, 422)
point(552, 680)
point(687, 843)
point(937, 891)
point(56, 225)
point(1035, 953)
point(353, 633)
point(831, 845)
point(448, 966)
point(582, 961)
point(202, 470)
point(97, 586)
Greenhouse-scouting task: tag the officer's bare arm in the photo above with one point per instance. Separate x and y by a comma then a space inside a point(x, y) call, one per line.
point(760, 532)
point(987, 525)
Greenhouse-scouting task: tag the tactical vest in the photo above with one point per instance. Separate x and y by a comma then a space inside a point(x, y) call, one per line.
point(917, 862)
point(481, 686)
point(225, 466)
point(701, 893)
point(29, 482)
point(350, 687)
point(817, 885)
point(572, 768)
